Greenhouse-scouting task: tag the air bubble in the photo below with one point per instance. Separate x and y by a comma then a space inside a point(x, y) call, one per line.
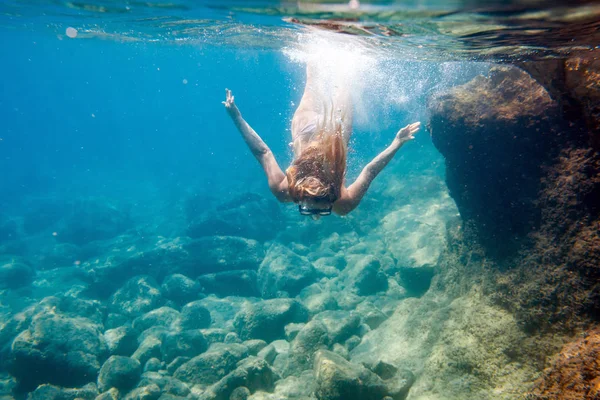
point(71, 32)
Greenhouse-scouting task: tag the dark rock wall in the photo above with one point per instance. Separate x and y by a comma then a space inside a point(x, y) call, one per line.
point(523, 167)
point(496, 133)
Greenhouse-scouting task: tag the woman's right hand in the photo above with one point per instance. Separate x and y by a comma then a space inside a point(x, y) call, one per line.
point(229, 102)
point(405, 134)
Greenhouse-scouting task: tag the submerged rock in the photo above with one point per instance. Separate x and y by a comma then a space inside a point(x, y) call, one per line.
point(138, 296)
point(120, 372)
point(168, 385)
point(163, 316)
point(121, 341)
point(338, 379)
point(574, 374)
point(494, 133)
point(231, 283)
point(207, 368)
point(267, 319)
point(92, 220)
point(367, 277)
point(284, 273)
point(54, 344)
point(188, 343)
point(253, 374)
point(340, 325)
point(195, 315)
point(222, 253)
point(15, 274)
point(180, 289)
point(149, 348)
point(149, 392)
point(248, 215)
point(51, 392)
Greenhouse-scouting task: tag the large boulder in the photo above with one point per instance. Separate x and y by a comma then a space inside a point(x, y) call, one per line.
point(15, 274)
point(188, 343)
point(52, 392)
point(163, 316)
point(121, 341)
point(138, 296)
point(247, 215)
point(495, 134)
point(180, 289)
point(267, 319)
point(195, 315)
point(207, 368)
point(91, 220)
point(339, 379)
point(231, 283)
point(284, 273)
point(221, 253)
point(62, 350)
point(253, 374)
point(119, 372)
point(574, 374)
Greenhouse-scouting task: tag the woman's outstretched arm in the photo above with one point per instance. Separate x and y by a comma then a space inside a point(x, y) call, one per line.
point(352, 196)
point(275, 176)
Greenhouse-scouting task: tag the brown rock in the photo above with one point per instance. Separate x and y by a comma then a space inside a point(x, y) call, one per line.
point(575, 374)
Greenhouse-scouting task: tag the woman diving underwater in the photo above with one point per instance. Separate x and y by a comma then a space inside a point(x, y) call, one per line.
point(320, 135)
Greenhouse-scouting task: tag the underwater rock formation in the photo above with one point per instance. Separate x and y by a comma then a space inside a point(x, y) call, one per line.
point(266, 320)
point(248, 215)
point(62, 350)
point(574, 374)
point(575, 83)
point(283, 273)
point(338, 379)
point(526, 178)
point(495, 134)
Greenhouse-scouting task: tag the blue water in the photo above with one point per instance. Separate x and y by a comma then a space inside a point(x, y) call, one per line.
point(137, 120)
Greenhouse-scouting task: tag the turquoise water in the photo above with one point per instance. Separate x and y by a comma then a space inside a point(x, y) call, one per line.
point(127, 193)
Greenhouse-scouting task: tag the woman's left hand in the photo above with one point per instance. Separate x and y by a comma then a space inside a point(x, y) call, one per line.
point(405, 134)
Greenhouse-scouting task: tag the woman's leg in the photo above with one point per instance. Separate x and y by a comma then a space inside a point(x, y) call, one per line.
point(309, 109)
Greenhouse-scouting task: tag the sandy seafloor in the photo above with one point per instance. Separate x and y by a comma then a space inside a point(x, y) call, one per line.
point(143, 257)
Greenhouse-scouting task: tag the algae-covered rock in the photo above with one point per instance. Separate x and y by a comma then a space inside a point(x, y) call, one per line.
point(163, 316)
point(247, 215)
point(367, 277)
point(494, 133)
point(149, 392)
point(340, 324)
point(338, 379)
point(284, 273)
point(195, 315)
point(253, 373)
point(222, 253)
point(120, 372)
point(51, 392)
point(167, 384)
point(121, 341)
point(54, 344)
point(212, 365)
point(455, 347)
point(91, 220)
point(574, 374)
point(15, 274)
point(296, 387)
point(188, 343)
point(231, 283)
point(267, 319)
point(138, 296)
point(180, 289)
point(312, 337)
point(149, 348)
